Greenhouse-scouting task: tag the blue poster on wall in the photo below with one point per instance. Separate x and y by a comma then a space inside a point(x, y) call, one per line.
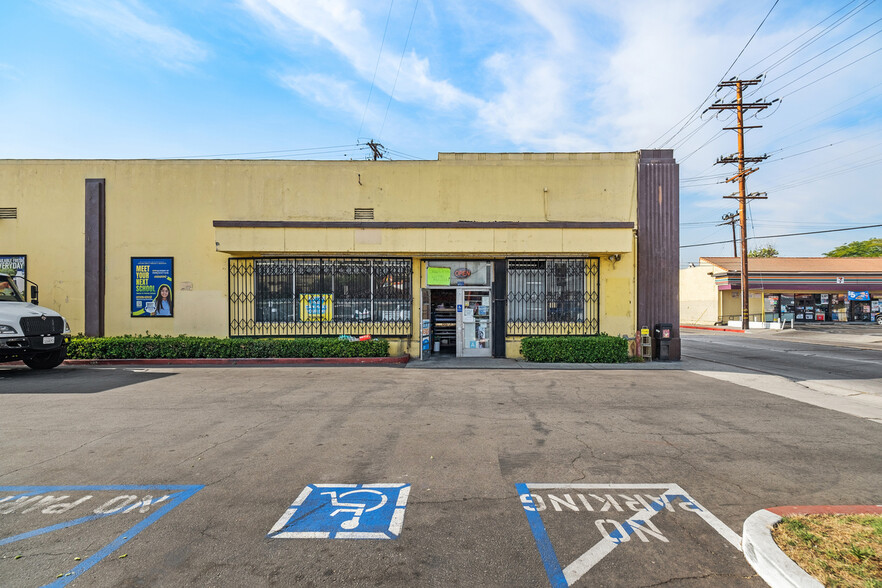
point(152, 286)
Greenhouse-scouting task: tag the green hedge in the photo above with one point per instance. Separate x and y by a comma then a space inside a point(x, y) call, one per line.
point(154, 347)
point(595, 349)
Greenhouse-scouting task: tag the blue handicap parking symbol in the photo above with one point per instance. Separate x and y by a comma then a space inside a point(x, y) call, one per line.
point(344, 511)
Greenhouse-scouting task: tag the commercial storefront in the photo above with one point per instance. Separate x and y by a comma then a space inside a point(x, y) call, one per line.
point(802, 290)
point(464, 255)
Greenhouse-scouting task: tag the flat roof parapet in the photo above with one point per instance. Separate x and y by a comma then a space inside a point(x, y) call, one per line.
point(581, 156)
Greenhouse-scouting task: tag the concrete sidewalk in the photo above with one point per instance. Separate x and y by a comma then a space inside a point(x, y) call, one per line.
point(503, 363)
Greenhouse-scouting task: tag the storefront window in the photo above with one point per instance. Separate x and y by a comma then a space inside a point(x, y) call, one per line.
point(552, 296)
point(320, 296)
point(788, 307)
point(771, 311)
point(805, 307)
point(838, 308)
point(821, 307)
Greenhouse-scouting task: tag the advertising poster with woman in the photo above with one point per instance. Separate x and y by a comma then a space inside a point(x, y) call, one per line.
point(15, 266)
point(153, 286)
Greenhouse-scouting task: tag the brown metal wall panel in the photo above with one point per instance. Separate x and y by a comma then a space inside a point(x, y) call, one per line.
point(658, 242)
point(94, 291)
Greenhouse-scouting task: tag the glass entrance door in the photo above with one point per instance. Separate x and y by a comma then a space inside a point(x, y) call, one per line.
point(473, 323)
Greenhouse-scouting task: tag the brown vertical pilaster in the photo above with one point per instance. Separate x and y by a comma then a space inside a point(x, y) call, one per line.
point(658, 242)
point(94, 290)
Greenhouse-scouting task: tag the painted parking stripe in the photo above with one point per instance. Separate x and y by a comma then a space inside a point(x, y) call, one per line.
point(169, 498)
point(543, 543)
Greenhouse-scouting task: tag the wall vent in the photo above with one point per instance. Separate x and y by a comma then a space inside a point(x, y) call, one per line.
point(364, 214)
point(8, 213)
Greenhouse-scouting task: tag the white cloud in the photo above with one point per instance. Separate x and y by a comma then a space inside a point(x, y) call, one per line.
point(138, 27)
point(342, 26)
point(325, 90)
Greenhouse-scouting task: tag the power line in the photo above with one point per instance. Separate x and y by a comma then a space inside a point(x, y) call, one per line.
point(791, 70)
point(834, 58)
point(400, 61)
point(376, 67)
point(829, 74)
point(834, 115)
point(281, 152)
point(691, 115)
point(807, 31)
point(788, 235)
point(822, 33)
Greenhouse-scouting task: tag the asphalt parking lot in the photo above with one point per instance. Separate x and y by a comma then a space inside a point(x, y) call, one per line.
point(254, 476)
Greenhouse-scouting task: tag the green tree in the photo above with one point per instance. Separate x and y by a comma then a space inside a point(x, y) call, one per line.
point(767, 251)
point(868, 248)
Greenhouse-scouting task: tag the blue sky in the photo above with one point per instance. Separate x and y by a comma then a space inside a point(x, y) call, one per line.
point(314, 80)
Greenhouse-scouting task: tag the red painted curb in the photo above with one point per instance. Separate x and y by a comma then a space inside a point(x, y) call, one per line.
point(247, 361)
point(724, 329)
point(783, 511)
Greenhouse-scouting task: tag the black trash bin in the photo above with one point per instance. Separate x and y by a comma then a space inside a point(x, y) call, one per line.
point(662, 335)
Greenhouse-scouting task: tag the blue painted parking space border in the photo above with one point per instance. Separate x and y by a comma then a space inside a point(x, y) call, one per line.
point(178, 494)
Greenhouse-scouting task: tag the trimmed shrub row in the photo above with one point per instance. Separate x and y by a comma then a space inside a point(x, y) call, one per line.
point(154, 347)
point(595, 349)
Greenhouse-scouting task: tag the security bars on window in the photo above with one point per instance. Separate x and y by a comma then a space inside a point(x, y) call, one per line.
point(291, 297)
point(553, 296)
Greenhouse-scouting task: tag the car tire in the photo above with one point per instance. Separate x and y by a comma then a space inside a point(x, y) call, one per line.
point(879, 319)
point(46, 361)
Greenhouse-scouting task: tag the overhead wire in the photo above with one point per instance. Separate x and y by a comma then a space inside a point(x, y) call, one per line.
point(830, 28)
point(280, 152)
point(831, 47)
point(376, 68)
point(807, 31)
point(400, 61)
point(787, 235)
point(692, 114)
point(829, 74)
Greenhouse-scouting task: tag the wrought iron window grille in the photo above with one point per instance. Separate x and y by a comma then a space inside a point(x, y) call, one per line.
point(553, 296)
point(293, 297)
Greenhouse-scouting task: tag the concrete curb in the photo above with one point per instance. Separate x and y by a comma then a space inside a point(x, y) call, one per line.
point(766, 557)
point(247, 361)
point(723, 329)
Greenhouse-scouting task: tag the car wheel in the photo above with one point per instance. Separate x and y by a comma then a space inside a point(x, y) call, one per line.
point(46, 361)
point(879, 318)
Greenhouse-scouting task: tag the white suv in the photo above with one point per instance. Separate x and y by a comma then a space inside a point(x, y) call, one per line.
point(33, 334)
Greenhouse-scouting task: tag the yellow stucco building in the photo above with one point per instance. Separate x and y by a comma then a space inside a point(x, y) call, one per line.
point(465, 254)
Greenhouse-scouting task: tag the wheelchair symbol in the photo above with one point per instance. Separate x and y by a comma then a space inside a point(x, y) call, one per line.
point(357, 509)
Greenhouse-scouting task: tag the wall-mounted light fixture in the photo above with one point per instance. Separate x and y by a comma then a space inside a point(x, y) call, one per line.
point(614, 258)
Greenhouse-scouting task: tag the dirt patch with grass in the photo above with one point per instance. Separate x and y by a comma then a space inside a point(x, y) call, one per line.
point(838, 550)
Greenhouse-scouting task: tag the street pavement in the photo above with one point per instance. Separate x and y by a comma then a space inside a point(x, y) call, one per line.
point(247, 476)
point(832, 367)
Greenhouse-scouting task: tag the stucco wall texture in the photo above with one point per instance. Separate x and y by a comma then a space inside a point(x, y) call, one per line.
point(168, 208)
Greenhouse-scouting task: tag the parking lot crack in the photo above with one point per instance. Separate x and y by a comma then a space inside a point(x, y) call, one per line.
point(698, 577)
point(229, 440)
point(69, 451)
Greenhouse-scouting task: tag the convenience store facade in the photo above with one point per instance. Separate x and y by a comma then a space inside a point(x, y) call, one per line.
point(464, 255)
point(783, 289)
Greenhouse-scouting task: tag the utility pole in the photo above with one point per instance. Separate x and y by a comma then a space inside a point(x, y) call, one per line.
point(731, 219)
point(739, 106)
point(376, 148)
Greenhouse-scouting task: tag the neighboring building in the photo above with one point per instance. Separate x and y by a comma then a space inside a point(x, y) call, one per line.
point(465, 255)
point(802, 289)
